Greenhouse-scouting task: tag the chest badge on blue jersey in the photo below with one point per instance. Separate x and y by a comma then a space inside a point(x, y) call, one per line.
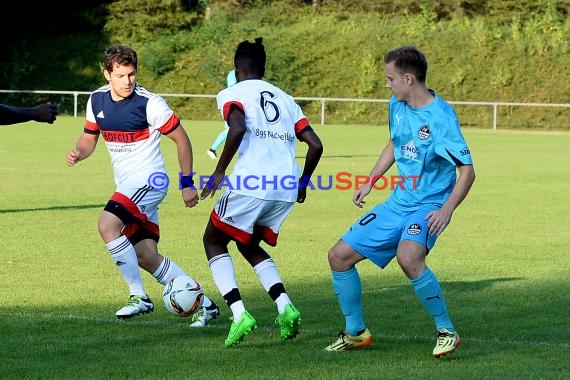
point(424, 132)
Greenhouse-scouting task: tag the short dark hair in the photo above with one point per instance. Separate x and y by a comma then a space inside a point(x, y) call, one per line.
point(250, 57)
point(408, 59)
point(120, 54)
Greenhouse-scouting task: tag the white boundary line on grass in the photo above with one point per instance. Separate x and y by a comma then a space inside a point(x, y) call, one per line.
point(145, 322)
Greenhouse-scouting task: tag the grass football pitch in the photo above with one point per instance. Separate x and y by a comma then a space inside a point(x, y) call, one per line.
point(503, 264)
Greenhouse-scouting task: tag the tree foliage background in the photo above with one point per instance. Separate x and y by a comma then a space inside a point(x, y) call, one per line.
point(478, 50)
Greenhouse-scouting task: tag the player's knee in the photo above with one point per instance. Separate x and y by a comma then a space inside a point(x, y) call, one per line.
point(333, 259)
point(210, 245)
point(411, 258)
point(108, 231)
point(340, 258)
point(110, 226)
point(411, 266)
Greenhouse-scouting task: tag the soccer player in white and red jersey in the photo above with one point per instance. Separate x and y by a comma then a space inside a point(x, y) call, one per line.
point(131, 121)
point(264, 125)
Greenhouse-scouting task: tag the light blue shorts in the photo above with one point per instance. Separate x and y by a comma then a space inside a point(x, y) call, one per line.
point(376, 235)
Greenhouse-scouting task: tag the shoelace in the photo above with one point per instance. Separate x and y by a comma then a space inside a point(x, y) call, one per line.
point(133, 300)
point(198, 314)
point(441, 336)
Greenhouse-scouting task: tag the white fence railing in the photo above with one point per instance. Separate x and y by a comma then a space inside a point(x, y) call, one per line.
point(494, 105)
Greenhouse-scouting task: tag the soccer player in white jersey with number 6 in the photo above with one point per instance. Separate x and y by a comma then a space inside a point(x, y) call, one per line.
point(132, 121)
point(264, 125)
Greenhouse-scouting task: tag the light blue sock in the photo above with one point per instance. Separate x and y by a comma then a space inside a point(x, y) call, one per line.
point(220, 139)
point(429, 292)
point(348, 290)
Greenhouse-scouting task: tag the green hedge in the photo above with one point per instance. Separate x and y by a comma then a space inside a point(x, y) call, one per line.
point(322, 50)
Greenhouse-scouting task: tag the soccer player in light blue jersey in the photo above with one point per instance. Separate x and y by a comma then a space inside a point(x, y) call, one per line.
point(429, 149)
point(230, 81)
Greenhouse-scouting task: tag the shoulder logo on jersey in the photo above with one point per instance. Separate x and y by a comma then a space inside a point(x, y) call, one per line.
point(100, 115)
point(424, 132)
point(398, 118)
point(414, 229)
point(409, 150)
point(465, 151)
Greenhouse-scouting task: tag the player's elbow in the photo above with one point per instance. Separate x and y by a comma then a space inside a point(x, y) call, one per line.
point(315, 146)
point(318, 148)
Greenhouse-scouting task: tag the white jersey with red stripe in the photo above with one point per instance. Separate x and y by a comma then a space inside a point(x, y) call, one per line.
point(266, 167)
point(131, 129)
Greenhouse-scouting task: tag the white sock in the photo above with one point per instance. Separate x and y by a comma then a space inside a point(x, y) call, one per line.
point(224, 275)
point(282, 301)
point(167, 270)
point(125, 257)
point(268, 275)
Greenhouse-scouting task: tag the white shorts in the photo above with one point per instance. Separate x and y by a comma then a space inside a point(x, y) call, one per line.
point(137, 207)
point(241, 217)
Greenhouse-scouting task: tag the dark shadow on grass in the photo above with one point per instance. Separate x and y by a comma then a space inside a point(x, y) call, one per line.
point(478, 285)
point(345, 156)
point(466, 285)
point(52, 208)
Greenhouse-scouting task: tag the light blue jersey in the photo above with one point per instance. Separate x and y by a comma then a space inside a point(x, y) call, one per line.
point(428, 147)
point(231, 78)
